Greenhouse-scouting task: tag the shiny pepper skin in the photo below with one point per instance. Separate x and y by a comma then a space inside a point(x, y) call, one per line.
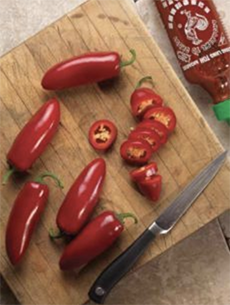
point(35, 136)
point(84, 69)
point(25, 215)
point(82, 198)
point(94, 239)
point(23, 219)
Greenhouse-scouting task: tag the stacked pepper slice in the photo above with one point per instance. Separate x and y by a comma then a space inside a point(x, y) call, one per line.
point(157, 123)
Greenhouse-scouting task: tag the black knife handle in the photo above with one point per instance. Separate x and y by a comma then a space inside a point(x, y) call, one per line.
point(119, 267)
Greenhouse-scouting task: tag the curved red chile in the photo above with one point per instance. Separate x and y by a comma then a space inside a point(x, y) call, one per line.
point(81, 70)
point(148, 135)
point(23, 219)
point(35, 136)
point(94, 239)
point(142, 100)
point(82, 198)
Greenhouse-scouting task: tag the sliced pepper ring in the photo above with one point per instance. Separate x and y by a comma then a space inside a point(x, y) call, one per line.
point(156, 126)
point(148, 135)
point(136, 151)
point(164, 115)
point(102, 134)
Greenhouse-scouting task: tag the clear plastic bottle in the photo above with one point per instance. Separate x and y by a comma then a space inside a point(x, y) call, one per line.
point(201, 46)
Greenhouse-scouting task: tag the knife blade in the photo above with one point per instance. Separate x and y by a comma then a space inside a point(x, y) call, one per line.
point(162, 225)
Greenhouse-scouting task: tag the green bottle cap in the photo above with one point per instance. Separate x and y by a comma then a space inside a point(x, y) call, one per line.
point(222, 111)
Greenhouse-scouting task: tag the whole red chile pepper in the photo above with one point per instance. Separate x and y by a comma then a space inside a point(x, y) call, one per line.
point(25, 215)
point(81, 199)
point(94, 239)
point(85, 69)
point(33, 138)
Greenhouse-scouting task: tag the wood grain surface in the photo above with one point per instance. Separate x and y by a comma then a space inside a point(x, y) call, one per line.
point(99, 25)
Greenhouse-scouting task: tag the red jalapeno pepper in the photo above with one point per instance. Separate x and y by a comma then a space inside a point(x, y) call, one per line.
point(25, 215)
point(144, 172)
point(148, 135)
point(33, 138)
point(85, 69)
point(81, 199)
point(156, 126)
point(102, 134)
point(150, 187)
point(164, 115)
point(94, 239)
point(136, 151)
point(142, 99)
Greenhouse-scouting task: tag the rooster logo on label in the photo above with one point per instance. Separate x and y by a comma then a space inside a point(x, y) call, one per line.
point(193, 25)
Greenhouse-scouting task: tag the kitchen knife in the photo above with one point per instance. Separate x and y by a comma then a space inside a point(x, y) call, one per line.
point(162, 225)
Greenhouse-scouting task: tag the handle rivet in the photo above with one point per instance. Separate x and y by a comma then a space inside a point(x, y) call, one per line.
point(100, 291)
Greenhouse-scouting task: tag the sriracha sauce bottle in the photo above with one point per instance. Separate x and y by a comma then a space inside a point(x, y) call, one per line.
point(201, 46)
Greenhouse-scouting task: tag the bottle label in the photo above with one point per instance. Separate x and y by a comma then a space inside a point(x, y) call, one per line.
point(195, 31)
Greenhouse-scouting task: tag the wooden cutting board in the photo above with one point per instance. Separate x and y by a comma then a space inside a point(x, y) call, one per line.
point(99, 25)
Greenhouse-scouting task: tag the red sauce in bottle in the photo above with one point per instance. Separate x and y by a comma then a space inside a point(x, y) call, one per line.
point(201, 46)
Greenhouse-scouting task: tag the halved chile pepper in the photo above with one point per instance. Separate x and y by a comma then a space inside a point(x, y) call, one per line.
point(144, 172)
point(93, 240)
point(151, 187)
point(144, 98)
point(148, 181)
point(81, 199)
point(33, 138)
point(25, 215)
point(147, 135)
point(85, 69)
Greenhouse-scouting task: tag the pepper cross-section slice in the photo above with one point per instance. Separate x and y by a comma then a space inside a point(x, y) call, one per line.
point(164, 115)
point(136, 151)
point(102, 134)
point(148, 135)
point(156, 126)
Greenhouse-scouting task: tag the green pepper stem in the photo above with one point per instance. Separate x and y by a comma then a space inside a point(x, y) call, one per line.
point(130, 61)
point(122, 216)
point(52, 235)
point(144, 79)
point(40, 179)
point(7, 175)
